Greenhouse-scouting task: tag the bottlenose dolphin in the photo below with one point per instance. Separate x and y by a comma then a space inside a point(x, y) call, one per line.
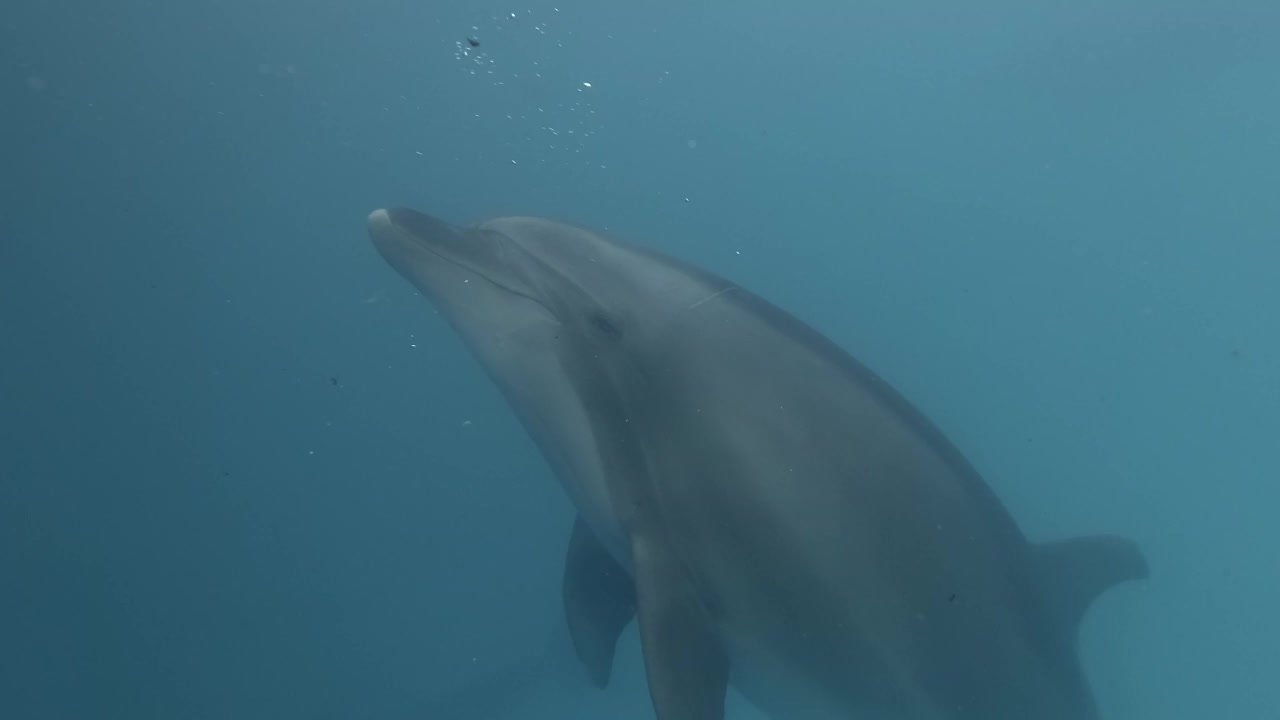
point(771, 512)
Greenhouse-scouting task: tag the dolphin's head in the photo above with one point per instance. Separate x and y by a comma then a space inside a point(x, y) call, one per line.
point(561, 319)
point(517, 285)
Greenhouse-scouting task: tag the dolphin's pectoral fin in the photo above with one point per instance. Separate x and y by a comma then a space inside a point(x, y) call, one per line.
point(1075, 572)
point(687, 667)
point(599, 601)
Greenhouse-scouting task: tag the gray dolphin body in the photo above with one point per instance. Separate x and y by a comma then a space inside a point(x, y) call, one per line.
point(771, 512)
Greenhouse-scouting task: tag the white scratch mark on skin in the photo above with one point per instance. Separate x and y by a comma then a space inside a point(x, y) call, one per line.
point(713, 296)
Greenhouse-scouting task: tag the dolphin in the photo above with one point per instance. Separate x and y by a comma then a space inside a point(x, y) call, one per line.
point(769, 511)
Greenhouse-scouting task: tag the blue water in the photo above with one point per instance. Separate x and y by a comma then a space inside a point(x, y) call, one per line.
point(245, 472)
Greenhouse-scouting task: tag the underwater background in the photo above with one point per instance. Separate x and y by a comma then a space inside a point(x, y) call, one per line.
point(246, 472)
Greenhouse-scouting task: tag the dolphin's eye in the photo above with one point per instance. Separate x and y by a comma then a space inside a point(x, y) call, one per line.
point(605, 326)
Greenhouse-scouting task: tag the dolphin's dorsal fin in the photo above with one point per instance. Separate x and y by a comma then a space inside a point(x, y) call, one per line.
point(1073, 573)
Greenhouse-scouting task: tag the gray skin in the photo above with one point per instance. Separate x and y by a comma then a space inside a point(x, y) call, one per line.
point(771, 512)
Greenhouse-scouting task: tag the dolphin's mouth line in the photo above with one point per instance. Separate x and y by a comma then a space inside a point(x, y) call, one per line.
point(469, 268)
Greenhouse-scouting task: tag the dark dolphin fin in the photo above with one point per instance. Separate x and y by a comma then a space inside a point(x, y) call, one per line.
point(1073, 573)
point(687, 668)
point(599, 601)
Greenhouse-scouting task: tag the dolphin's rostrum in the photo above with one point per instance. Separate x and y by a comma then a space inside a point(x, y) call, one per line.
point(770, 511)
